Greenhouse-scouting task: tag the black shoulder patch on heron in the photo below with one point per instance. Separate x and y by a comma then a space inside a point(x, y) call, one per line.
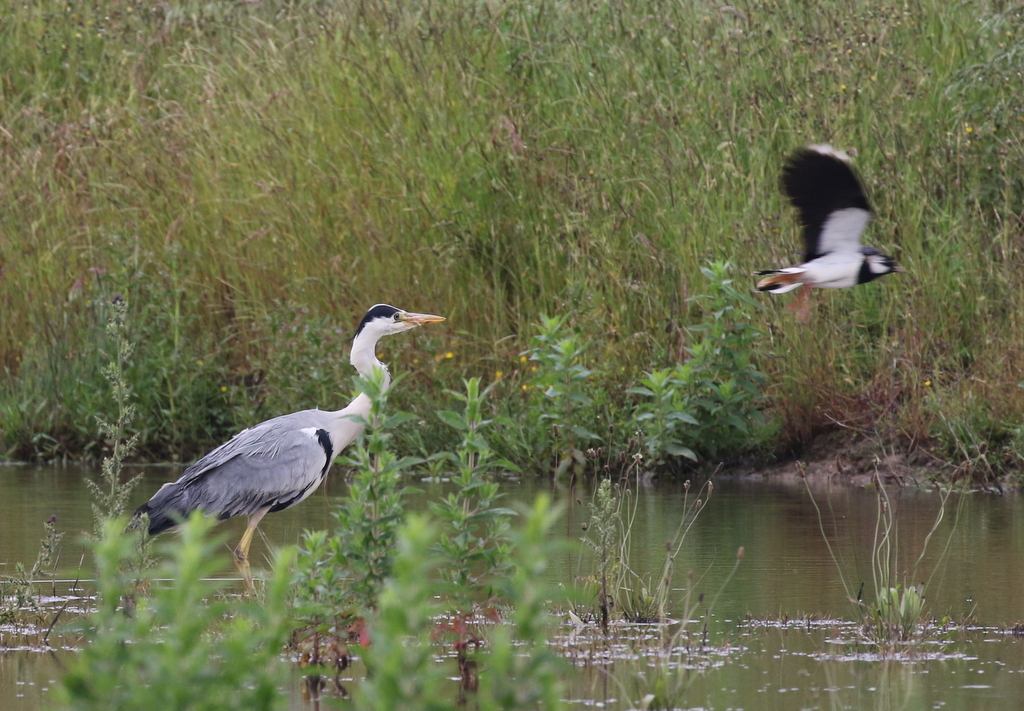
point(818, 184)
point(283, 503)
point(325, 441)
point(376, 311)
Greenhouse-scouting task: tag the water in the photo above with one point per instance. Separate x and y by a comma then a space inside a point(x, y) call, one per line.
point(777, 628)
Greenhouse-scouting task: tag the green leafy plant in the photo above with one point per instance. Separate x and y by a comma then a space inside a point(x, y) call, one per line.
point(722, 386)
point(521, 670)
point(183, 647)
point(563, 380)
point(662, 418)
point(474, 532)
point(518, 669)
point(339, 575)
point(708, 403)
point(401, 672)
point(474, 544)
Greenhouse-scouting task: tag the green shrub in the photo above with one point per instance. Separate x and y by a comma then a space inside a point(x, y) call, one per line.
point(339, 575)
point(564, 383)
point(401, 671)
point(662, 418)
point(518, 669)
point(183, 647)
point(710, 402)
point(474, 533)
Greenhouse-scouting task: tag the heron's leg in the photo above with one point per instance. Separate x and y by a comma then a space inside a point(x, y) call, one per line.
point(242, 549)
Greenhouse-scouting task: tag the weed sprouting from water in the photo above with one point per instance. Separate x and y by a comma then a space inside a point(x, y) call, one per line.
point(897, 615)
point(664, 677)
point(636, 596)
point(111, 494)
point(18, 592)
point(665, 669)
point(604, 537)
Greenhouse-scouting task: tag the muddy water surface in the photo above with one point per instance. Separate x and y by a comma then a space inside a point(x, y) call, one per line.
point(778, 632)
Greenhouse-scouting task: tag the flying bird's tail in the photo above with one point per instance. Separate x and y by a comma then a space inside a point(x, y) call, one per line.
point(779, 281)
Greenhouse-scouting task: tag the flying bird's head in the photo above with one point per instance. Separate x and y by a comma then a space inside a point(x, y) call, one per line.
point(877, 264)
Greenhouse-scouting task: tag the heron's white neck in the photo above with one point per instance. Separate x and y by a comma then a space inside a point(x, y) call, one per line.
point(364, 357)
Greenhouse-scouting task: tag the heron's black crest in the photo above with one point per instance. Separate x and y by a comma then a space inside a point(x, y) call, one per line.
point(819, 184)
point(376, 311)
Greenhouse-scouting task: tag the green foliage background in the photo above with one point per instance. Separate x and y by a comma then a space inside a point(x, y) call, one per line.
point(253, 176)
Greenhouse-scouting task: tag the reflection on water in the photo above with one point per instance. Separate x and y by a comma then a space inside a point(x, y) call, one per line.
point(787, 573)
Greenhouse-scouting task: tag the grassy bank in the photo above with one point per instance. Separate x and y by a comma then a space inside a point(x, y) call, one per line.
point(252, 177)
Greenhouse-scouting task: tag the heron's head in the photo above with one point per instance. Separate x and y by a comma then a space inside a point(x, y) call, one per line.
point(384, 320)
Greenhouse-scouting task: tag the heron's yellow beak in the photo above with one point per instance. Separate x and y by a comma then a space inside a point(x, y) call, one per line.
point(420, 319)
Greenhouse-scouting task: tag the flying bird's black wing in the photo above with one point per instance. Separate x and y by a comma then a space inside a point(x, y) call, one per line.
point(833, 207)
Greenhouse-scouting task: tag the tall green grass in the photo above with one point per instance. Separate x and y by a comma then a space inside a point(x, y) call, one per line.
point(253, 177)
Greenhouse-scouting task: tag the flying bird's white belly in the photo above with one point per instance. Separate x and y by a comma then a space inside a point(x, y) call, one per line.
point(838, 270)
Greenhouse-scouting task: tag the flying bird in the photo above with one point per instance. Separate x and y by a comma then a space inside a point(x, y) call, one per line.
point(276, 464)
point(833, 212)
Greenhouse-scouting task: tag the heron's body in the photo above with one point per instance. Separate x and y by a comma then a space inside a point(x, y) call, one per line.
point(273, 465)
point(276, 464)
point(834, 211)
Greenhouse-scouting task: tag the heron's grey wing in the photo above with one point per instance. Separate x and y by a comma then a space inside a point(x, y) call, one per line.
point(276, 463)
point(263, 438)
point(250, 482)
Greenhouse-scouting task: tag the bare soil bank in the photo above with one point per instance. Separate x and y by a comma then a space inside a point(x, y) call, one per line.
point(851, 459)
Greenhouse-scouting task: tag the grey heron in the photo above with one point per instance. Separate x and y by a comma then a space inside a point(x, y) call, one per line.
point(276, 464)
point(834, 210)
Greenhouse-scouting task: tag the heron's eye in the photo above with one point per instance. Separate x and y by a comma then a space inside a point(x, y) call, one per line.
point(397, 317)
